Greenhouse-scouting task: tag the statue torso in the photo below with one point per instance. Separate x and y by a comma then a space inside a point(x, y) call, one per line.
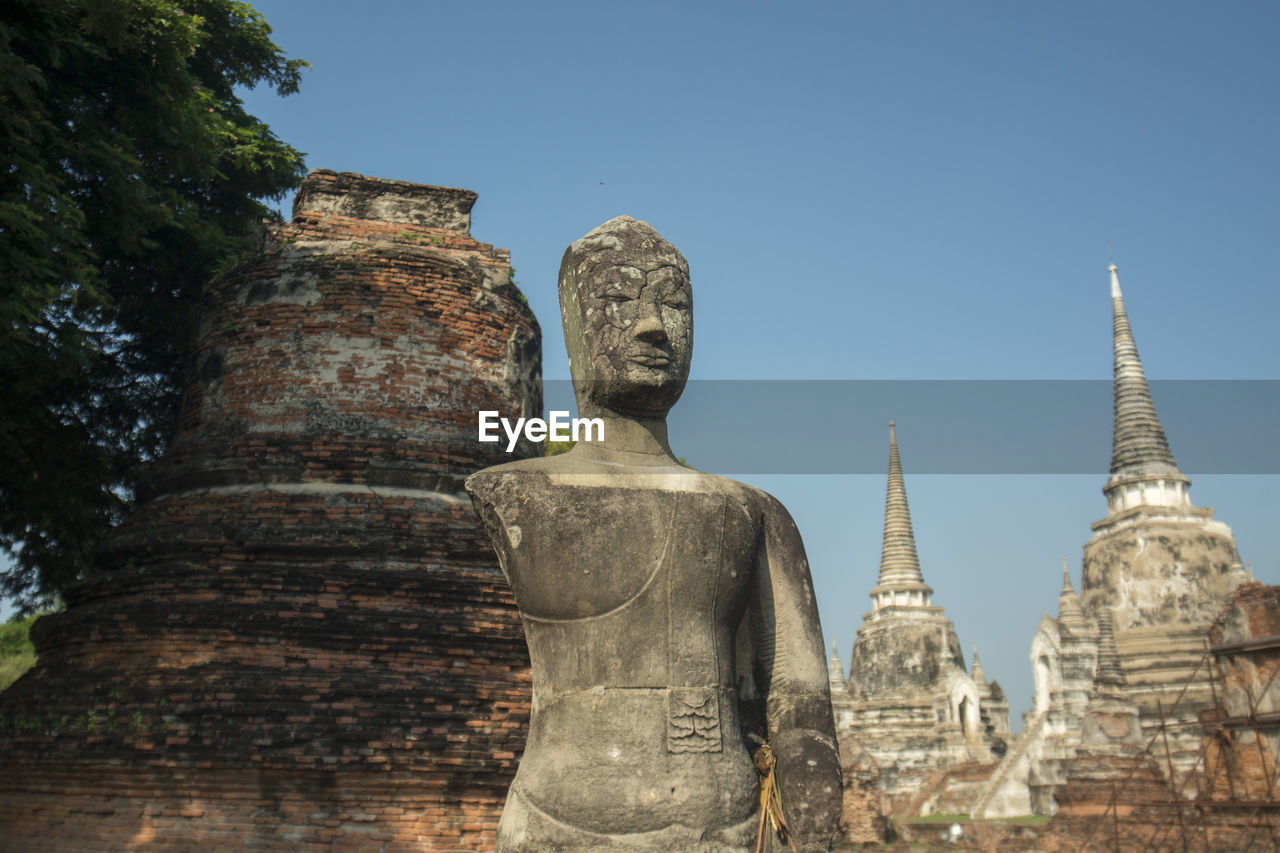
point(631, 593)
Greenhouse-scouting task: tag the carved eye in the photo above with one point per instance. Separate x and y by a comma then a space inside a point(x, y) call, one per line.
point(615, 296)
point(678, 300)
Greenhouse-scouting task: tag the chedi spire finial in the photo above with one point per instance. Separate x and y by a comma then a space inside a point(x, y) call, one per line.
point(1138, 439)
point(1071, 616)
point(899, 562)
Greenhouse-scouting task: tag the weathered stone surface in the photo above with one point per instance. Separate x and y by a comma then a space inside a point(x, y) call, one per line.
point(627, 310)
point(355, 197)
point(864, 815)
point(908, 700)
point(1164, 580)
point(903, 656)
point(669, 613)
point(1064, 654)
point(1161, 573)
point(301, 640)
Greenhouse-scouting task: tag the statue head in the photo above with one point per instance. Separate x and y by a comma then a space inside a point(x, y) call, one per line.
point(627, 309)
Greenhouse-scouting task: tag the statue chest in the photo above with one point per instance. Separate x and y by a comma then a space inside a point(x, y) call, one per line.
point(577, 553)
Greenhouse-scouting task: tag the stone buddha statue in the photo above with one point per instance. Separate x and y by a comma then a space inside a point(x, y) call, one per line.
point(670, 615)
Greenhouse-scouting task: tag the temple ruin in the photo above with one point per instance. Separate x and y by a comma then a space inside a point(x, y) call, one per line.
point(301, 638)
point(1064, 654)
point(1126, 789)
point(1160, 569)
point(908, 702)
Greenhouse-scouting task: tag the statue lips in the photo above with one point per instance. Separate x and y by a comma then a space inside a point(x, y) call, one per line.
point(660, 359)
point(647, 354)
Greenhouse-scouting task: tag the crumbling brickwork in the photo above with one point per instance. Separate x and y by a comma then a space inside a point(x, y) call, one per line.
point(301, 639)
point(864, 808)
point(1117, 797)
point(1241, 765)
point(1112, 801)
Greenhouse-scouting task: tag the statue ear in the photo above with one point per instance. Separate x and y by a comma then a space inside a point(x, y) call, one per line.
point(575, 342)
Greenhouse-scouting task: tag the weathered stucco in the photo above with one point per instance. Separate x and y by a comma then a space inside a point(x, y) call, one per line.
point(1164, 574)
point(902, 656)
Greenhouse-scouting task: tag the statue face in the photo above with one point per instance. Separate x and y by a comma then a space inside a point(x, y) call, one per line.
point(638, 321)
point(634, 321)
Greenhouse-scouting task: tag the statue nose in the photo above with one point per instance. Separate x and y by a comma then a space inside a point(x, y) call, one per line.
point(649, 326)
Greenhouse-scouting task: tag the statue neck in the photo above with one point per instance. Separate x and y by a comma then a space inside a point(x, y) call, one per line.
point(625, 434)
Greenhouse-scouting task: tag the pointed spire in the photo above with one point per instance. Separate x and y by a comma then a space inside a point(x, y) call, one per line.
point(835, 672)
point(1070, 612)
point(948, 656)
point(900, 583)
point(1138, 440)
point(979, 677)
point(898, 561)
point(1108, 671)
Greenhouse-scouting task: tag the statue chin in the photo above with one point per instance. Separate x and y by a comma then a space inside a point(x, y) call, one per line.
point(647, 397)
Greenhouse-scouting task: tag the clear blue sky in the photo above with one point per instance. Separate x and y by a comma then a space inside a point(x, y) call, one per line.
point(900, 190)
point(866, 190)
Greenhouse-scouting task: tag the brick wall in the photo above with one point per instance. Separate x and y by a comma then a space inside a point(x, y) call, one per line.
point(864, 808)
point(1242, 738)
point(301, 639)
point(1123, 802)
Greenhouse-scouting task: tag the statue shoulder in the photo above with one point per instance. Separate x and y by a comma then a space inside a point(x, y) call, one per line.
point(500, 482)
point(758, 503)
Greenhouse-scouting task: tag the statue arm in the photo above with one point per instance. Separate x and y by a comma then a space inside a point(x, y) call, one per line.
point(486, 490)
point(791, 674)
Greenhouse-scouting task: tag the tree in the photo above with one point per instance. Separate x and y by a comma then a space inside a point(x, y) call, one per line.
point(132, 176)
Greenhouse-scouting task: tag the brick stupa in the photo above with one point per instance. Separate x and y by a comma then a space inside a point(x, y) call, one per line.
point(301, 639)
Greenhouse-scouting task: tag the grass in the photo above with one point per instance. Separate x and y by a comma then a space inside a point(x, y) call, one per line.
point(940, 818)
point(13, 666)
point(1031, 819)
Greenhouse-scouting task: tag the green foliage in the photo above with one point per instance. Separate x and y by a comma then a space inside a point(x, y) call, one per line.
point(133, 176)
point(17, 655)
point(521, 298)
point(555, 448)
point(433, 239)
point(15, 636)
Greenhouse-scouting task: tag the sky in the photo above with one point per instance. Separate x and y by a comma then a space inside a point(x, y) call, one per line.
point(873, 191)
